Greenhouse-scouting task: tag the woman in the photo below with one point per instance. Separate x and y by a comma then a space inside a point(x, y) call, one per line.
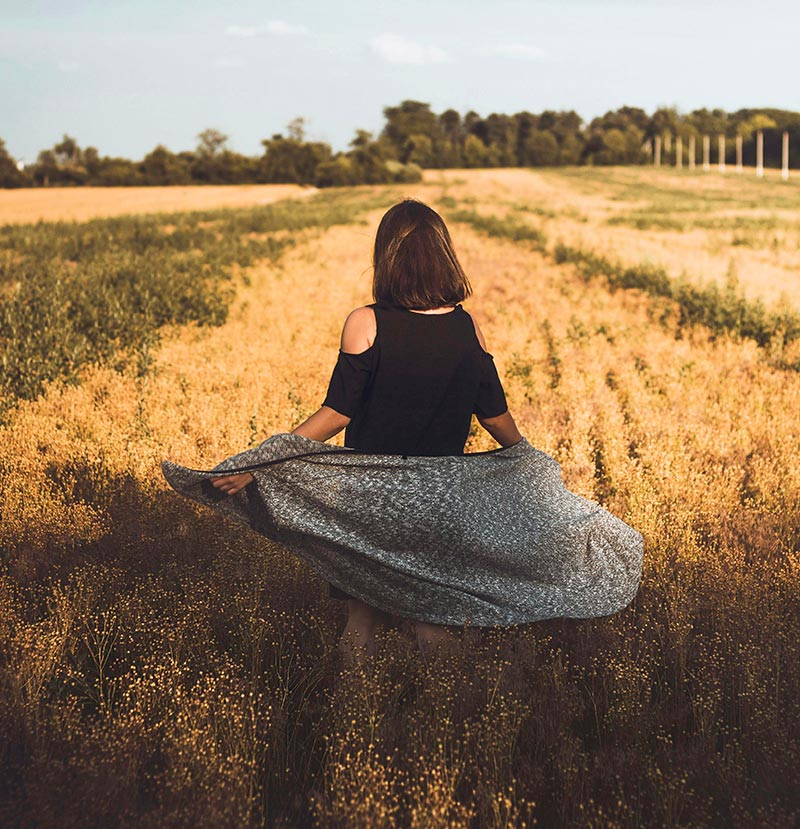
point(412, 369)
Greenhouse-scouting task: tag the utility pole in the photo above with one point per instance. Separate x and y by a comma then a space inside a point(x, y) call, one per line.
point(785, 162)
point(721, 145)
point(760, 154)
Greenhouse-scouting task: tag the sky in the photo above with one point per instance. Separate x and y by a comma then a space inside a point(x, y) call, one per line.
point(125, 76)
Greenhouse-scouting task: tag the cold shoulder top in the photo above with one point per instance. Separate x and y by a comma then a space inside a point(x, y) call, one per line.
point(415, 389)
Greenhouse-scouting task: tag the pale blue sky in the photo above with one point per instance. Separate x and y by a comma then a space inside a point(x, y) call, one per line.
point(125, 76)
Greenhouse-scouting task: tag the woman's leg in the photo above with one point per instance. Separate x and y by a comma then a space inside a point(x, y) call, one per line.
point(430, 636)
point(358, 637)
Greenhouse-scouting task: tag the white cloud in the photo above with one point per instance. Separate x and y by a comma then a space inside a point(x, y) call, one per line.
point(278, 27)
point(229, 63)
point(396, 49)
point(241, 31)
point(274, 27)
point(517, 51)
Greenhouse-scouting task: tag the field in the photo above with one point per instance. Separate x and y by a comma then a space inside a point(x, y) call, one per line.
point(82, 203)
point(160, 666)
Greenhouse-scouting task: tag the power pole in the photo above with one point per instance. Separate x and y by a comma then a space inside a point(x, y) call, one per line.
point(739, 166)
point(691, 152)
point(785, 162)
point(706, 152)
point(760, 154)
point(721, 145)
point(657, 157)
point(679, 153)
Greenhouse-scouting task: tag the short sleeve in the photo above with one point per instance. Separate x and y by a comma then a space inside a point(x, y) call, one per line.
point(349, 381)
point(491, 400)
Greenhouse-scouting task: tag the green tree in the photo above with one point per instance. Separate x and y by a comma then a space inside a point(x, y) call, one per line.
point(63, 164)
point(296, 128)
point(755, 123)
point(162, 167)
point(450, 126)
point(634, 145)
point(475, 152)
point(501, 136)
point(612, 149)
point(418, 149)
point(338, 172)
point(369, 162)
point(10, 175)
point(210, 143)
point(410, 118)
point(571, 149)
point(541, 149)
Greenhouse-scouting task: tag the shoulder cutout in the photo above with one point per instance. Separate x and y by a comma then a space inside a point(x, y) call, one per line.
point(359, 331)
point(478, 332)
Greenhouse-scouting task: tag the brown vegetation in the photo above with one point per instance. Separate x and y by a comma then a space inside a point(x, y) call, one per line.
point(161, 667)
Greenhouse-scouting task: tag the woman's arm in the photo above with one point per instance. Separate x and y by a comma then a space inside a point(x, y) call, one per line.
point(357, 333)
point(323, 424)
point(502, 428)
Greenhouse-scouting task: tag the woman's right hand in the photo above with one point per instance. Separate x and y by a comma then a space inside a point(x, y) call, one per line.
point(231, 484)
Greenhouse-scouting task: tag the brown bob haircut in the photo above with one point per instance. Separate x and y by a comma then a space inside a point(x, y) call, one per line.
point(414, 263)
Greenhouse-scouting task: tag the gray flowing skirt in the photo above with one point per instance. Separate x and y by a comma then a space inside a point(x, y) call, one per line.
point(486, 538)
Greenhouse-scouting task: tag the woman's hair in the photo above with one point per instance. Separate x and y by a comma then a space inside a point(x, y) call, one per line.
point(414, 263)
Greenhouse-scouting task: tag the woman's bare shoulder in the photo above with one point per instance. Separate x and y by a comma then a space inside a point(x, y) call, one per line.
point(359, 331)
point(478, 332)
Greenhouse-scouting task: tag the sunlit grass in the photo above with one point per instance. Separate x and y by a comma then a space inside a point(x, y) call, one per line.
point(161, 666)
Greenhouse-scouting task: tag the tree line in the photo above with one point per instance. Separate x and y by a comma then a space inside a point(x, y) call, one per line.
point(412, 138)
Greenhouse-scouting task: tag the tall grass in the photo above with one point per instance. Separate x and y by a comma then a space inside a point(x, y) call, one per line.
point(721, 311)
point(160, 666)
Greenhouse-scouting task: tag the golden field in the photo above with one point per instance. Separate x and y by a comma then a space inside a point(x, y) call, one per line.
point(78, 204)
point(160, 666)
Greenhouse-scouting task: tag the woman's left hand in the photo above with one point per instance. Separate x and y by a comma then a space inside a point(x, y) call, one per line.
point(231, 484)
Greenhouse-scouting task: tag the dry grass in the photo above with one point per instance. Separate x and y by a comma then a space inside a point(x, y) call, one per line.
point(161, 667)
point(704, 225)
point(78, 204)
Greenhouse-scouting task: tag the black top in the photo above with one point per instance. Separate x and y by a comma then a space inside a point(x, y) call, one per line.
point(414, 390)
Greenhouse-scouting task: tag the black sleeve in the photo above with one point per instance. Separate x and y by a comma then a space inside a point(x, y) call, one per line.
point(349, 381)
point(491, 397)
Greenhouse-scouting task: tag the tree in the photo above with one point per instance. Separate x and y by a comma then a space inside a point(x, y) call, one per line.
point(541, 149)
point(713, 122)
point(475, 153)
point(450, 126)
point(526, 123)
point(418, 149)
point(289, 161)
point(210, 143)
point(369, 163)
point(612, 149)
point(296, 128)
point(571, 149)
point(664, 120)
point(162, 167)
point(755, 123)
point(10, 175)
point(410, 118)
point(63, 164)
point(338, 172)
